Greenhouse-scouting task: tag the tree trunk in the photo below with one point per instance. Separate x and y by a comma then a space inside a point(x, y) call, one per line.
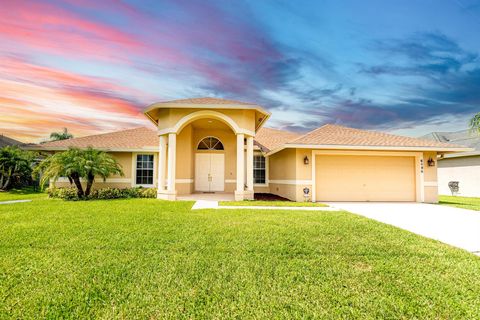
point(78, 184)
point(90, 179)
point(4, 186)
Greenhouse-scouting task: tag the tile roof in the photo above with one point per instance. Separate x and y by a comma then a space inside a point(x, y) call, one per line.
point(268, 139)
point(6, 141)
point(207, 100)
point(137, 138)
point(331, 134)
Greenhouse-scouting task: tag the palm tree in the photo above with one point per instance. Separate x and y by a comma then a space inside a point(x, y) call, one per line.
point(475, 123)
point(55, 136)
point(62, 164)
point(76, 164)
point(14, 163)
point(98, 163)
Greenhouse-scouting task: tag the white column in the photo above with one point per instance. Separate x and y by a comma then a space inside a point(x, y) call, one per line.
point(240, 165)
point(250, 163)
point(162, 161)
point(172, 153)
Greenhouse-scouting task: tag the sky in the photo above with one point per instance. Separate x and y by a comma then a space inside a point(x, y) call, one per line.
point(405, 67)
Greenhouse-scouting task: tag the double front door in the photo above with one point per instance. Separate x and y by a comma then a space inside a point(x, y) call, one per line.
point(209, 172)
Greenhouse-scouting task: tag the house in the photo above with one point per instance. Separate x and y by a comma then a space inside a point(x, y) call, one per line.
point(218, 145)
point(463, 168)
point(6, 141)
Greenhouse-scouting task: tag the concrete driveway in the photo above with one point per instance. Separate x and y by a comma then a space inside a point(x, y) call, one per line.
point(454, 226)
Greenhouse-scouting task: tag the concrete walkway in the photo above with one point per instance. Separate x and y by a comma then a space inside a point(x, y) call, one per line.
point(454, 226)
point(211, 204)
point(14, 201)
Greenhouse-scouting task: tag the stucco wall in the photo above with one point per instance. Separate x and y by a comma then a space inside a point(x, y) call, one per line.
point(168, 118)
point(430, 178)
point(282, 173)
point(465, 170)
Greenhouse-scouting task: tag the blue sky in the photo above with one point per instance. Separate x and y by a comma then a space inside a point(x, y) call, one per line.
point(406, 67)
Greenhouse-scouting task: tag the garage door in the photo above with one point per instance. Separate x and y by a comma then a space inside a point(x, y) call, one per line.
point(364, 178)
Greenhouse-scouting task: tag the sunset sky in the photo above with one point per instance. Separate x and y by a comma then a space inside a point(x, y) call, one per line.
point(407, 67)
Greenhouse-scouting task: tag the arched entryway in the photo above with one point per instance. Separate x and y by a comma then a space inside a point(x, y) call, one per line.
point(207, 152)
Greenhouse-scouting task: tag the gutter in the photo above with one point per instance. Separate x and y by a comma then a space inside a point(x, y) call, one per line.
point(354, 147)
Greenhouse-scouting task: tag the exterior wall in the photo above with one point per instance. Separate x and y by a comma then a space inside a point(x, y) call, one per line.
point(303, 174)
point(261, 189)
point(430, 178)
point(282, 173)
point(184, 174)
point(168, 118)
point(465, 170)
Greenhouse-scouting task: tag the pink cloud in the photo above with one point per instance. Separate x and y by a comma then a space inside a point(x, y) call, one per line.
point(40, 99)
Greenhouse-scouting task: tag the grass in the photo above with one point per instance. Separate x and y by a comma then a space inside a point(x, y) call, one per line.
point(21, 194)
point(145, 258)
point(461, 202)
point(271, 203)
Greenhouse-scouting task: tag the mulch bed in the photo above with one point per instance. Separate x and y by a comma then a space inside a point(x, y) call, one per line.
point(269, 197)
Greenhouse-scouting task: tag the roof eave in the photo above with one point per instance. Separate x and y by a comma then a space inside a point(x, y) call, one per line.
point(64, 148)
point(373, 148)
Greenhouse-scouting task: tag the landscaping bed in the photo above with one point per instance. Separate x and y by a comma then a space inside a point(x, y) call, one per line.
point(271, 200)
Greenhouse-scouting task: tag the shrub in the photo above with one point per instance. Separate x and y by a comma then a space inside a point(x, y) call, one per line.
point(147, 192)
point(63, 193)
point(102, 194)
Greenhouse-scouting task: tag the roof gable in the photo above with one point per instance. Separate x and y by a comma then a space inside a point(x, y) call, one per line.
point(269, 139)
point(207, 100)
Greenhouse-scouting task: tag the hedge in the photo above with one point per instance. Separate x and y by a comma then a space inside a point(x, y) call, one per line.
point(102, 194)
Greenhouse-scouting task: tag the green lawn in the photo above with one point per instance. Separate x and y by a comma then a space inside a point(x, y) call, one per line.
point(271, 203)
point(21, 194)
point(144, 258)
point(461, 202)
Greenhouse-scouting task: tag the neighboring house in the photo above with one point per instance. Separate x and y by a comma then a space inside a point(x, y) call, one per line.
point(217, 145)
point(463, 168)
point(6, 141)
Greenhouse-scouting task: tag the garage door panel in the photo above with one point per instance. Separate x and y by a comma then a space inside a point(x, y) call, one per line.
point(365, 178)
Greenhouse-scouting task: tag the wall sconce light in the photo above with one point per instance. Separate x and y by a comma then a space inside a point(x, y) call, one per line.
point(431, 162)
point(305, 160)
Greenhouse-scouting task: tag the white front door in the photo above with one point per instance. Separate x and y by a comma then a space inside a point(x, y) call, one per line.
point(209, 172)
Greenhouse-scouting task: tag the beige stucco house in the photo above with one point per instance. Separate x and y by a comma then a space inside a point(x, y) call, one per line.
point(216, 145)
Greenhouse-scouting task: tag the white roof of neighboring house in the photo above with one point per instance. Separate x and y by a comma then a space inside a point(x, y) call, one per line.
point(466, 138)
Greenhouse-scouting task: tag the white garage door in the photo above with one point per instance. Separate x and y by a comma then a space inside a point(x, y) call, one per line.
point(364, 178)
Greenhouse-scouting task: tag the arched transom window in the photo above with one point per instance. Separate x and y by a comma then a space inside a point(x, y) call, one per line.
point(210, 143)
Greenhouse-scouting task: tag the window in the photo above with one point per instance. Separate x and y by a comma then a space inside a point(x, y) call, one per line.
point(144, 169)
point(210, 143)
point(259, 169)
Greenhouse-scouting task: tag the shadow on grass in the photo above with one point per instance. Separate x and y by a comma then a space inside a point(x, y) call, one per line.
point(24, 191)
